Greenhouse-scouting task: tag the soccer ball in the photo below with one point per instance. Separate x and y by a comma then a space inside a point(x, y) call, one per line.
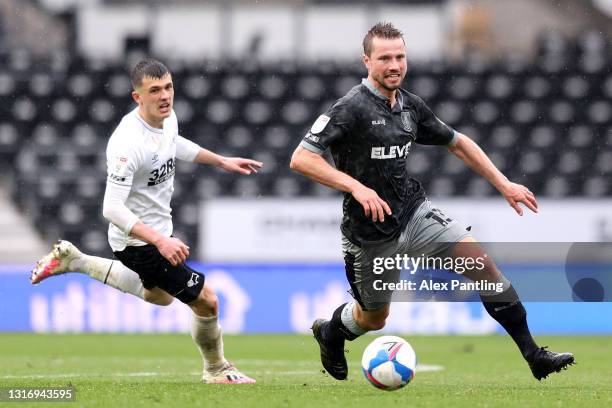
point(389, 363)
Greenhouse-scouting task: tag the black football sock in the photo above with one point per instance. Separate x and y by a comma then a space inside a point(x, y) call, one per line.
point(507, 309)
point(335, 331)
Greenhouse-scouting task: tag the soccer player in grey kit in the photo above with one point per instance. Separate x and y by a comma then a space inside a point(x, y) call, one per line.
point(370, 132)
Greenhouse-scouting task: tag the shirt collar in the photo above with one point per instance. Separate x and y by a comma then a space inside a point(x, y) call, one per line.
point(146, 125)
point(378, 94)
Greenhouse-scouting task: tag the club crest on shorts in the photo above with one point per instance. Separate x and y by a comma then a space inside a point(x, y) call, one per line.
point(195, 278)
point(319, 124)
point(407, 122)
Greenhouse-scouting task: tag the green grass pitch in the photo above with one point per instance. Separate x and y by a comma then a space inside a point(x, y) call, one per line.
point(163, 371)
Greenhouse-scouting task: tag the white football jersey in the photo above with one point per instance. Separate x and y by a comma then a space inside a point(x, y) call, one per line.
point(142, 158)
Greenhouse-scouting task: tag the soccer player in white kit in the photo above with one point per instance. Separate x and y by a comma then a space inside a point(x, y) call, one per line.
point(141, 156)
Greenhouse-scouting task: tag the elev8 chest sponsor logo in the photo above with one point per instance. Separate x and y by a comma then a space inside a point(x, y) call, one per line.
point(162, 173)
point(390, 152)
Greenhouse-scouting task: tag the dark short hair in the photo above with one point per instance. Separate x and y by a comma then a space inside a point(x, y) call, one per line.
point(383, 29)
point(147, 68)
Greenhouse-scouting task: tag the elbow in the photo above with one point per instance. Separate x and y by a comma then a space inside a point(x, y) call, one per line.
point(458, 149)
point(453, 149)
point(109, 211)
point(106, 212)
point(121, 218)
point(296, 163)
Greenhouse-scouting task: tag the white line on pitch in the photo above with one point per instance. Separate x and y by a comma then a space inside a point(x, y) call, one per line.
point(420, 368)
point(138, 374)
point(240, 362)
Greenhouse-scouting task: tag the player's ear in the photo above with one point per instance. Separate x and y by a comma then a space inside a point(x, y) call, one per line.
point(136, 96)
point(366, 61)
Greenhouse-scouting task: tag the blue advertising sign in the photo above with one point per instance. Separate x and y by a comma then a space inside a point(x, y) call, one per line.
point(258, 298)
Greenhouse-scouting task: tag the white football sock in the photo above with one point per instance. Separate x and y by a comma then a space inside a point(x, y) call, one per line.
point(109, 272)
point(348, 319)
point(206, 333)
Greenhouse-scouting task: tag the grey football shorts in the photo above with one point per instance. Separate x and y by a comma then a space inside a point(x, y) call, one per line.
point(428, 233)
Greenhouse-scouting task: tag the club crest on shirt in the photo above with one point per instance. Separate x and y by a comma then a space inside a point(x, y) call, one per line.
point(121, 164)
point(319, 124)
point(407, 122)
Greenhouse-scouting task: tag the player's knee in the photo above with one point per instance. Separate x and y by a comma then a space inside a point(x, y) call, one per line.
point(166, 301)
point(374, 324)
point(373, 321)
point(489, 272)
point(210, 297)
point(207, 303)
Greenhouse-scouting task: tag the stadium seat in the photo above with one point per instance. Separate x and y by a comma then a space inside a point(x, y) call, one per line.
point(425, 86)
point(499, 87)
point(272, 87)
point(546, 123)
point(537, 87)
point(235, 86)
point(442, 187)
point(9, 145)
point(596, 187)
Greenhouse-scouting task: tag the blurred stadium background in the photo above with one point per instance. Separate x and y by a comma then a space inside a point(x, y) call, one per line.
point(529, 80)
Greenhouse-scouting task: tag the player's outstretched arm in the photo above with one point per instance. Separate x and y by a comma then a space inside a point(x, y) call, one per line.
point(472, 155)
point(231, 164)
point(316, 168)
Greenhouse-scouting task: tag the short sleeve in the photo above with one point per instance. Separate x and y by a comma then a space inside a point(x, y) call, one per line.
point(330, 127)
point(186, 149)
point(122, 164)
point(431, 130)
